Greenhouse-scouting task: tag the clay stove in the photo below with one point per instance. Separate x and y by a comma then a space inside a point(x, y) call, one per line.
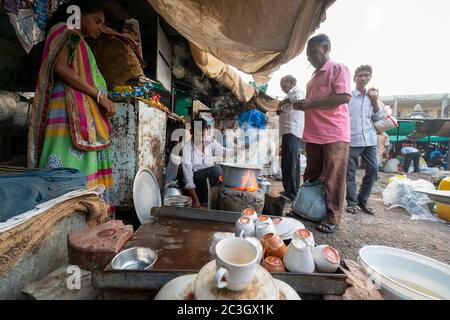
point(237, 197)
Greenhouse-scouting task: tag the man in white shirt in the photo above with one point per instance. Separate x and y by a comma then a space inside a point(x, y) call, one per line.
point(198, 164)
point(411, 154)
point(292, 123)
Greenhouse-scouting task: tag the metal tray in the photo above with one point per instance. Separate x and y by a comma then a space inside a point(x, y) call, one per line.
point(182, 238)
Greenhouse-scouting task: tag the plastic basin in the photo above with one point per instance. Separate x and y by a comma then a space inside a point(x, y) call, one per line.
point(406, 275)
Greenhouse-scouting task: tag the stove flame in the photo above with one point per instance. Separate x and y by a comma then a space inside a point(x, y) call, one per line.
point(249, 182)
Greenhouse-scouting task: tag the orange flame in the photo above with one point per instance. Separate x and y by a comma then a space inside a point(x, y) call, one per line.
point(249, 182)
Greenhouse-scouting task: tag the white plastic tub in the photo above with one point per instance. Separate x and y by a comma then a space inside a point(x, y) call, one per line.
point(406, 275)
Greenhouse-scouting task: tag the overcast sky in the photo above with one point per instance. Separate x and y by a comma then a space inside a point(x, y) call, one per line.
point(407, 42)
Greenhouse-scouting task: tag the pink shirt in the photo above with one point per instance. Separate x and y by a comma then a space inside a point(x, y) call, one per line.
point(323, 126)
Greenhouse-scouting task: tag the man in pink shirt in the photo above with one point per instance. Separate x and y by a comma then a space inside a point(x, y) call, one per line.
point(327, 127)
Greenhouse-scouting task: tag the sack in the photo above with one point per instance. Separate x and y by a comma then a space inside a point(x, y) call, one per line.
point(310, 202)
point(385, 124)
point(391, 166)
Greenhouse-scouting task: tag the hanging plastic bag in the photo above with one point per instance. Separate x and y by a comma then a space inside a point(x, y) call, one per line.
point(27, 30)
point(401, 193)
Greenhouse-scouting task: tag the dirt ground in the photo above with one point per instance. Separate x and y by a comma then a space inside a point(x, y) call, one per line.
point(393, 228)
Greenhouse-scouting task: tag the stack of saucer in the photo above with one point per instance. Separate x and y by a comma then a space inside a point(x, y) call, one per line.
point(286, 227)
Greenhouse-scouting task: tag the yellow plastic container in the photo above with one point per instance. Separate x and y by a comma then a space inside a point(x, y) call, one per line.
point(443, 210)
point(397, 177)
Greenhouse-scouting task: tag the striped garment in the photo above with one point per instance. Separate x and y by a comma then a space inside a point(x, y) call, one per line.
point(73, 131)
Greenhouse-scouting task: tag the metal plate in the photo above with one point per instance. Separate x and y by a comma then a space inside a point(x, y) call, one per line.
point(442, 196)
point(146, 194)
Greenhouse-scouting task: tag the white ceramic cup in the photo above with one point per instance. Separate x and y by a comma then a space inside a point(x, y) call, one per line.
point(245, 227)
point(264, 228)
point(258, 246)
point(236, 260)
point(250, 213)
point(299, 257)
point(326, 259)
point(264, 219)
point(305, 235)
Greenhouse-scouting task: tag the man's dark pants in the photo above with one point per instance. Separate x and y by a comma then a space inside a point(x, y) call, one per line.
point(201, 188)
point(369, 155)
point(414, 156)
point(290, 164)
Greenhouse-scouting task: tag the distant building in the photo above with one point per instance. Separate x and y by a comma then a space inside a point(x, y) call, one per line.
point(419, 106)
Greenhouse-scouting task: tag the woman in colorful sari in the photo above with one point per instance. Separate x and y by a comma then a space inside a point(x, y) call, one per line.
point(70, 125)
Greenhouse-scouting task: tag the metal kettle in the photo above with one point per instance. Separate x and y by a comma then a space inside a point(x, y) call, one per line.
point(264, 185)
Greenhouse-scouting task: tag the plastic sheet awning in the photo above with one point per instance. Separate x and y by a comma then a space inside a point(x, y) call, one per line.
point(254, 36)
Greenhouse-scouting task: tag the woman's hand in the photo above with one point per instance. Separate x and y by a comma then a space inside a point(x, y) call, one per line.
point(108, 105)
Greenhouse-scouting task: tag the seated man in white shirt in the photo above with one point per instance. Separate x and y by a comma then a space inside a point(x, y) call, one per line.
point(198, 164)
point(292, 123)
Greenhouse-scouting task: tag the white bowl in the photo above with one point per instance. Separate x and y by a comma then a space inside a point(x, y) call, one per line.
point(406, 275)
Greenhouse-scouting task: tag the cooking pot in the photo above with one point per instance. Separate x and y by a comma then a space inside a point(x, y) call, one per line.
point(232, 174)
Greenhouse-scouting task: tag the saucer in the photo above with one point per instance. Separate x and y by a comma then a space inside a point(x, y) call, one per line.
point(180, 288)
point(262, 287)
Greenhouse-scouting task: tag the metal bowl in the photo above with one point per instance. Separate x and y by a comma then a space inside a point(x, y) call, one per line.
point(172, 191)
point(178, 201)
point(137, 258)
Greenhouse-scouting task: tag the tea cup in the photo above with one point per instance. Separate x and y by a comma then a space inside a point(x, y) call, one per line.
point(263, 228)
point(273, 264)
point(264, 219)
point(250, 213)
point(303, 234)
point(258, 246)
point(245, 227)
point(273, 245)
point(236, 260)
point(326, 259)
point(299, 258)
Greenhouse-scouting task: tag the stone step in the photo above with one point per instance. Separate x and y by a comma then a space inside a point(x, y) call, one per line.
point(65, 283)
point(96, 247)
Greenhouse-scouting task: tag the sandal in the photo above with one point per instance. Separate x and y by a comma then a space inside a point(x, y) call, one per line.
point(366, 209)
point(327, 228)
point(352, 209)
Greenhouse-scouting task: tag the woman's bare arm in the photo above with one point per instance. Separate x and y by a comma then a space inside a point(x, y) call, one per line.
point(72, 79)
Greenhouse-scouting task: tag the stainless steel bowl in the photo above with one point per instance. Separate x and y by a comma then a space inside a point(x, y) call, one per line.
point(137, 258)
point(178, 201)
point(172, 191)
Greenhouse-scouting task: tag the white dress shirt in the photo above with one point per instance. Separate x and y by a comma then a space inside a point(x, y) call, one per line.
point(362, 117)
point(291, 120)
point(194, 160)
